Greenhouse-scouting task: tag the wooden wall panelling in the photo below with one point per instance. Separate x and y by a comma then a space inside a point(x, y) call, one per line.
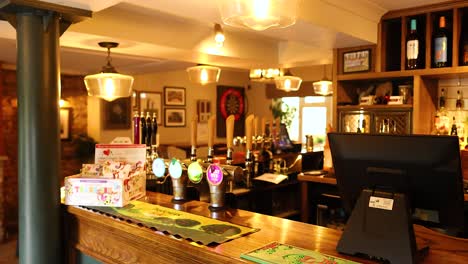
point(424, 104)
point(403, 43)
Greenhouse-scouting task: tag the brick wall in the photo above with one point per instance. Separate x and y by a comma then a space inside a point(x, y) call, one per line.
point(74, 91)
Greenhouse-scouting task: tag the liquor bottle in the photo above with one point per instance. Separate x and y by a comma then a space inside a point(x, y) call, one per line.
point(442, 99)
point(136, 128)
point(464, 42)
point(143, 128)
point(154, 130)
point(453, 131)
point(441, 45)
point(412, 47)
point(459, 102)
point(149, 127)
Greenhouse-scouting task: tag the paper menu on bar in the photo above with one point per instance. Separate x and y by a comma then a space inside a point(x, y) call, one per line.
point(273, 178)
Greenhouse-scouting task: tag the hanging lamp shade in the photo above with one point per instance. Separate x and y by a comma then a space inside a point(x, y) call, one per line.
point(323, 87)
point(109, 85)
point(288, 83)
point(258, 14)
point(204, 74)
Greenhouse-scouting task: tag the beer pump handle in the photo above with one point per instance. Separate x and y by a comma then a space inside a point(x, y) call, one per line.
point(262, 128)
point(211, 130)
point(277, 123)
point(255, 127)
point(248, 132)
point(193, 130)
point(229, 130)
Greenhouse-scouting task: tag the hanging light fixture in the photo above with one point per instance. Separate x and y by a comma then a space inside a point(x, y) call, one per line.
point(265, 75)
point(258, 14)
point(219, 35)
point(203, 74)
point(108, 84)
point(288, 82)
point(324, 86)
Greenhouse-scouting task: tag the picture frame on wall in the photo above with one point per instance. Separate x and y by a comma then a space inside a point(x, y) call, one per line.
point(150, 102)
point(357, 61)
point(65, 123)
point(174, 117)
point(174, 96)
point(117, 114)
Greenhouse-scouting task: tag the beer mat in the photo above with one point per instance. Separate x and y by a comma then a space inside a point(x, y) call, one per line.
point(277, 253)
point(189, 226)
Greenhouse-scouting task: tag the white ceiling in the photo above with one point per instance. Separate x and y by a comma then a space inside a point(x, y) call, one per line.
point(160, 35)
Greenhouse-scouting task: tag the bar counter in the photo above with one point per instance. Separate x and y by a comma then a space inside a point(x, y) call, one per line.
point(113, 240)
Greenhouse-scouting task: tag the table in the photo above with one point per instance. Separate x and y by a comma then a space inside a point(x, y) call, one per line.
point(116, 241)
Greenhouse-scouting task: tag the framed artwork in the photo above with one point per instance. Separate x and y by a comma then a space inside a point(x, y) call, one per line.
point(150, 102)
point(203, 110)
point(174, 117)
point(117, 114)
point(65, 123)
point(356, 61)
point(174, 96)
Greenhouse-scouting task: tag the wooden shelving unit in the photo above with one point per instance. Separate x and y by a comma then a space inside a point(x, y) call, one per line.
point(388, 63)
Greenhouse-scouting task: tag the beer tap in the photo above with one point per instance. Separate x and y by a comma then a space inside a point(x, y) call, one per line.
point(179, 181)
point(195, 171)
point(211, 135)
point(249, 158)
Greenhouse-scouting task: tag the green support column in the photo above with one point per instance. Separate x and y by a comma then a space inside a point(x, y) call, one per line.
point(39, 142)
point(39, 26)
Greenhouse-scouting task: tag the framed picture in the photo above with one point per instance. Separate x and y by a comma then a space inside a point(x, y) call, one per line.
point(150, 102)
point(356, 61)
point(117, 114)
point(203, 110)
point(174, 96)
point(174, 117)
point(65, 123)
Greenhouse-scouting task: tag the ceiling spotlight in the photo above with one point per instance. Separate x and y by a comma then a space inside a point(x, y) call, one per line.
point(204, 74)
point(219, 35)
point(258, 14)
point(324, 86)
point(288, 82)
point(108, 84)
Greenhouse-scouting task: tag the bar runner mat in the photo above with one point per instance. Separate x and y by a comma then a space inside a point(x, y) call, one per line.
point(197, 228)
point(277, 253)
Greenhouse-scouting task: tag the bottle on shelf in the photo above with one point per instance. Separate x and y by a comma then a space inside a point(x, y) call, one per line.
point(136, 128)
point(441, 45)
point(442, 99)
point(149, 127)
point(453, 130)
point(143, 128)
point(412, 47)
point(441, 119)
point(464, 41)
point(459, 102)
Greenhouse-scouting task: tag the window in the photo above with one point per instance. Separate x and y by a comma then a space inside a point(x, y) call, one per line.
point(312, 117)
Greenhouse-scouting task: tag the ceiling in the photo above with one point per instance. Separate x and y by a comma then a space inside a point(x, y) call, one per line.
point(162, 35)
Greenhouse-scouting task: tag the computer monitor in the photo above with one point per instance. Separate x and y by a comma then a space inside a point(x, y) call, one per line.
point(385, 181)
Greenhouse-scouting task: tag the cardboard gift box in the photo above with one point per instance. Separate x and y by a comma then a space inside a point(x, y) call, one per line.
point(104, 192)
point(95, 188)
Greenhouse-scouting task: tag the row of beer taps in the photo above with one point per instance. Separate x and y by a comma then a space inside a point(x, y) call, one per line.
point(220, 178)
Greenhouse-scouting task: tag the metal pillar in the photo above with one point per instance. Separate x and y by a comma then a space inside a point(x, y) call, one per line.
point(39, 141)
point(39, 26)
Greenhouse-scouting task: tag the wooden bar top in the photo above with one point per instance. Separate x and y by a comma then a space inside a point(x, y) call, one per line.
point(113, 240)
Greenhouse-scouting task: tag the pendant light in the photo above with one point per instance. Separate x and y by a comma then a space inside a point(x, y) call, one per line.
point(203, 74)
point(258, 14)
point(324, 86)
point(288, 82)
point(108, 84)
point(219, 35)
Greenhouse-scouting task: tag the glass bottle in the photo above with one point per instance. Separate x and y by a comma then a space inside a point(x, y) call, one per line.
point(143, 128)
point(453, 131)
point(459, 103)
point(149, 127)
point(464, 42)
point(441, 45)
point(136, 128)
point(442, 99)
point(412, 47)
point(154, 121)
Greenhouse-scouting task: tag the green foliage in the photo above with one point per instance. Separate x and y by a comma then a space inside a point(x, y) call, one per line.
point(283, 111)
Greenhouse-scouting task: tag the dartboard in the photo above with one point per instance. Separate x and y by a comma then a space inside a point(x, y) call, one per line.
point(232, 103)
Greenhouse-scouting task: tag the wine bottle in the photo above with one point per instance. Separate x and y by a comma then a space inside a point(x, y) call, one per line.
point(143, 129)
point(154, 130)
point(441, 45)
point(149, 128)
point(412, 47)
point(464, 42)
point(136, 128)
point(442, 99)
